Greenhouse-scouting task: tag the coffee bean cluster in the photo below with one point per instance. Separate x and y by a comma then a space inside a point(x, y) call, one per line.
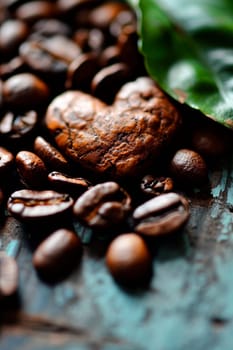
point(90, 46)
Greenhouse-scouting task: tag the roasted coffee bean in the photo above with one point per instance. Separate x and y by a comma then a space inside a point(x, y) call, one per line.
point(128, 259)
point(8, 276)
point(75, 5)
point(12, 67)
point(154, 186)
point(103, 205)
point(81, 72)
point(29, 205)
point(123, 19)
point(12, 33)
point(48, 57)
point(25, 91)
point(121, 140)
point(103, 15)
point(109, 56)
point(90, 40)
point(16, 128)
point(6, 162)
point(75, 186)
point(211, 140)
point(161, 215)
point(108, 81)
point(32, 11)
point(51, 27)
point(189, 168)
point(51, 156)
point(32, 170)
point(58, 254)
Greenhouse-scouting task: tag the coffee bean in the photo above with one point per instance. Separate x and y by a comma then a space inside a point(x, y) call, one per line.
point(75, 186)
point(128, 259)
point(16, 128)
point(6, 162)
point(154, 186)
point(161, 215)
point(58, 254)
point(189, 168)
point(32, 11)
point(32, 170)
point(12, 67)
point(81, 72)
point(211, 140)
point(25, 91)
point(103, 205)
point(51, 156)
point(12, 33)
point(108, 81)
point(121, 140)
point(8, 275)
point(48, 57)
point(28, 205)
point(103, 15)
point(51, 27)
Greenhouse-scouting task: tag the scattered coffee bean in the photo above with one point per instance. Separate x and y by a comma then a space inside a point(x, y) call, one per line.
point(75, 186)
point(211, 140)
point(58, 254)
point(161, 215)
point(154, 186)
point(25, 91)
point(6, 162)
point(108, 81)
point(17, 128)
point(51, 156)
point(32, 170)
point(103, 205)
point(32, 11)
point(128, 259)
point(12, 33)
point(8, 276)
point(28, 205)
point(189, 168)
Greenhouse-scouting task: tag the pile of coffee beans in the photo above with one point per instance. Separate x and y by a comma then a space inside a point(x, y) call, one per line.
point(87, 137)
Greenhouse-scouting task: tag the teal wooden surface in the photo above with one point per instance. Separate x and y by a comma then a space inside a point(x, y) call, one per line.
point(188, 304)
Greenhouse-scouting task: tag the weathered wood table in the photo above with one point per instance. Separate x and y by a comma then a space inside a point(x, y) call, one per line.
point(188, 305)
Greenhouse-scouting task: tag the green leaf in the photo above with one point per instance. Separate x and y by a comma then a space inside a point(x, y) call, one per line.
point(188, 49)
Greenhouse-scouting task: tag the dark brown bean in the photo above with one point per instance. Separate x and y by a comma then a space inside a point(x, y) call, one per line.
point(154, 186)
point(12, 67)
point(6, 162)
point(25, 91)
point(18, 128)
point(103, 205)
point(128, 259)
point(58, 254)
point(8, 275)
point(51, 156)
point(32, 11)
point(75, 186)
point(12, 33)
point(161, 215)
point(108, 81)
point(211, 140)
point(103, 15)
point(189, 168)
point(32, 170)
point(28, 205)
point(51, 27)
point(81, 72)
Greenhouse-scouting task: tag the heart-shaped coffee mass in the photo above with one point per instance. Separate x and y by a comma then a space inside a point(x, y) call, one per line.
point(118, 140)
